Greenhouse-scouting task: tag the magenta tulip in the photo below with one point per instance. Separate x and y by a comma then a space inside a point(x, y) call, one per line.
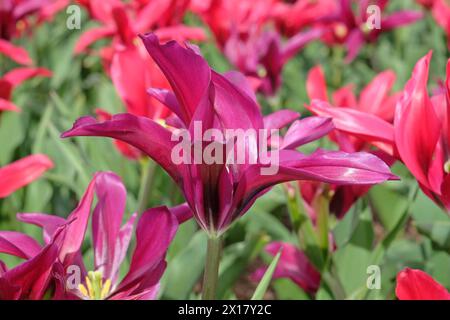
point(219, 193)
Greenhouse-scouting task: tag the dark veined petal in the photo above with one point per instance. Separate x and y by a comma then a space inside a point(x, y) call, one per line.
point(155, 231)
point(106, 224)
point(18, 244)
point(187, 72)
point(334, 167)
point(140, 132)
point(306, 130)
point(29, 280)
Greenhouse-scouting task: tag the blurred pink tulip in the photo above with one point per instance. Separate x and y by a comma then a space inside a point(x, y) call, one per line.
point(417, 285)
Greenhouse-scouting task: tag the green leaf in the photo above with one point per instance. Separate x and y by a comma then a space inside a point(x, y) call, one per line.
point(235, 260)
point(388, 205)
point(12, 135)
point(265, 281)
point(185, 269)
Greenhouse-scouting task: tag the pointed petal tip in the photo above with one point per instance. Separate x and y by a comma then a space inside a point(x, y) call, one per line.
point(80, 122)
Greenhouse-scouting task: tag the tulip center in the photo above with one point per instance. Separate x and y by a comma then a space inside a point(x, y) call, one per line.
point(447, 166)
point(262, 72)
point(95, 288)
point(20, 25)
point(341, 30)
point(365, 28)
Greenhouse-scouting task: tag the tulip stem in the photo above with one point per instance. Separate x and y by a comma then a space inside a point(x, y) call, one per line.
point(148, 171)
point(211, 275)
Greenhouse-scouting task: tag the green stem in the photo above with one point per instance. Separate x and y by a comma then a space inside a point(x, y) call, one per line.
point(308, 239)
point(211, 275)
point(323, 224)
point(148, 172)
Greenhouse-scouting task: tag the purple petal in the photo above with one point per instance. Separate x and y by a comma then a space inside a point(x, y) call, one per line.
point(18, 244)
point(155, 231)
point(167, 98)
point(187, 72)
point(306, 130)
point(49, 223)
point(334, 167)
point(140, 132)
point(73, 234)
point(354, 44)
point(400, 18)
point(241, 82)
point(106, 223)
point(363, 125)
point(246, 113)
point(294, 265)
point(279, 119)
point(183, 212)
point(297, 42)
point(30, 279)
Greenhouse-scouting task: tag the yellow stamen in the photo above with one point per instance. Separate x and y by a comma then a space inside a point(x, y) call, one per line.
point(340, 30)
point(261, 71)
point(83, 290)
point(447, 166)
point(95, 288)
point(20, 25)
point(90, 289)
point(106, 288)
point(162, 122)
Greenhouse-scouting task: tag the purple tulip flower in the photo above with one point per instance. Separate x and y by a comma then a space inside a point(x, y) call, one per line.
point(58, 266)
point(219, 193)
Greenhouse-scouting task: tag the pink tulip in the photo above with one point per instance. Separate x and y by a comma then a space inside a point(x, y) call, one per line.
point(360, 121)
point(22, 172)
point(417, 285)
point(294, 265)
point(348, 26)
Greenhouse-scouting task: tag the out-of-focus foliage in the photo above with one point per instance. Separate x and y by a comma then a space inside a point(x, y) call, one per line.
point(394, 226)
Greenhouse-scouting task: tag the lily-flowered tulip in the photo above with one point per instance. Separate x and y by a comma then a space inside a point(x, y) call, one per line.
point(354, 116)
point(350, 26)
point(22, 172)
point(422, 133)
point(359, 121)
point(259, 54)
point(417, 285)
point(294, 265)
point(126, 60)
point(123, 22)
point(292, 17)
point(70, 279)
point(14, 15)
point(220, 192)
point(241, 17)
point(132, 71)
point(262, 56)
